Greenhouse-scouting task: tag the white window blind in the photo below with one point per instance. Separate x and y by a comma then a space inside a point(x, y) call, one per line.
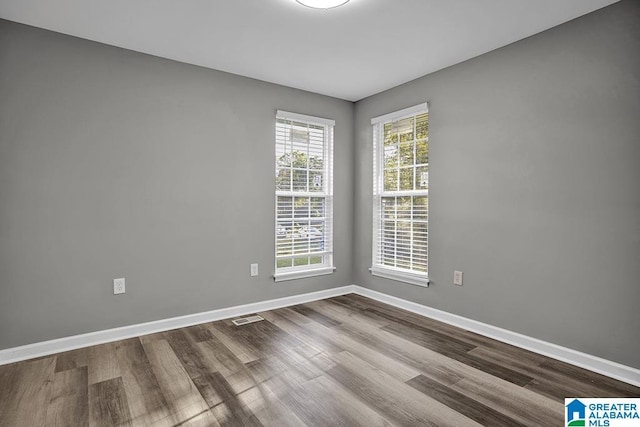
point(401, 195)
point(304, 196)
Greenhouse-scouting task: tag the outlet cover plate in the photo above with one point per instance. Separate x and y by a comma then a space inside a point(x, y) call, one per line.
point(119, 286)
point(457, 278)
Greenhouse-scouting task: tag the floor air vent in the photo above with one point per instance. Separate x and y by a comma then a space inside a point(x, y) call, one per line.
point(246, 320)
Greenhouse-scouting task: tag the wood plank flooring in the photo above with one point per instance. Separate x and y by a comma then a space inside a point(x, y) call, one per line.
point(344, 361)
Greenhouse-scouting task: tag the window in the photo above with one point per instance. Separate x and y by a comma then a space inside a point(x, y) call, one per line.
point(401, 195)
point(304, 196)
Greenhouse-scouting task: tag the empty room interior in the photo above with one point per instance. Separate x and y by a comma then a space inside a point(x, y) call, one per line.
point(289, 213)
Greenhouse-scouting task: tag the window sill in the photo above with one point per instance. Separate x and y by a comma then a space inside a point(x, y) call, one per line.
point(401, 276)
point(281, 277)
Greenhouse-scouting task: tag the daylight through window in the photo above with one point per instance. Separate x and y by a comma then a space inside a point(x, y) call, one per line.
point(304, 196)
point(401, 195)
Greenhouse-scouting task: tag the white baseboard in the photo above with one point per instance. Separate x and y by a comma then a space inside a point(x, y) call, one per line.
point(45, 348)
point(605, 367)
point(596, 364)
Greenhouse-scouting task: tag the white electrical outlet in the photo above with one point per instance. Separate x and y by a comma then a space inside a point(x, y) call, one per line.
point(457, 278)
point(254, 270)
point(118, 286)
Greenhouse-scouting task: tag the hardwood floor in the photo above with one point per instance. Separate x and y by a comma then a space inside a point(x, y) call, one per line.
point(343, 361)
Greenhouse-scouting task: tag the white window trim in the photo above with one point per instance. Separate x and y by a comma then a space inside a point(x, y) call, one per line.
point(418, 279)
point(400, 275)
point(402, 114)
point(301, 272)
point(304, 118)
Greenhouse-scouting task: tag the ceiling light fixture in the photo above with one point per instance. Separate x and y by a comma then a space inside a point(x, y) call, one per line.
point(322, 4)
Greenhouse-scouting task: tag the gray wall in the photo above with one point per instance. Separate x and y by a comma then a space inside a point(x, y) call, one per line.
point(114, 163)
point(534, 185)
point(118, 164)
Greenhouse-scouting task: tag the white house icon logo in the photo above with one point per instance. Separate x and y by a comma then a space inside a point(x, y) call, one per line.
point(576, 413)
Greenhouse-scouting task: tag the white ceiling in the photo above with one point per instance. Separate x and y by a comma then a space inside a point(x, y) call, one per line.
point(349, 52)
